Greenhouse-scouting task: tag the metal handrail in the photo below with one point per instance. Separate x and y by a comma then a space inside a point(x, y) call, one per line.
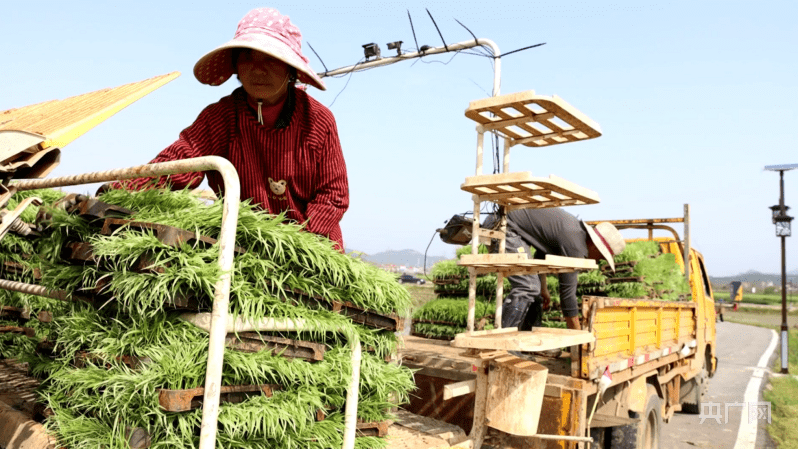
point(230, 206)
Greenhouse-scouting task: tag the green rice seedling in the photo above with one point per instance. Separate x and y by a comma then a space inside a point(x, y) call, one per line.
point(639, 250)
point(452, 310)
point(104, 396)
point(448, 269)
point(302, 260)
point(481, 249)
point(447, 317)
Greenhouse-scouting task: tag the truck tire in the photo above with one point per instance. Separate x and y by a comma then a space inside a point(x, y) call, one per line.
point(646, 433)
point(693, 392)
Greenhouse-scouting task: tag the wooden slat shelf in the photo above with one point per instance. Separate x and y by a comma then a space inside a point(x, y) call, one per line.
point(517, 264)
point(521, 190)
point(533, 120)
point(31, 137)
point(511, 339)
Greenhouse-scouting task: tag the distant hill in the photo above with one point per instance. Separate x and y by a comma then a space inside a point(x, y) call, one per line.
point(407, 257)
point(754, 277)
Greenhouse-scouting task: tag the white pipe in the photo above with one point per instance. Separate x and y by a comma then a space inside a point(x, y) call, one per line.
point(563, 438)
point(497, 61)
point(236, 324)
point(350, 411)
point(232, 194)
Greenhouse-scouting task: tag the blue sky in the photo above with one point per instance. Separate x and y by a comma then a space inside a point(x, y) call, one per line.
point(693, 98)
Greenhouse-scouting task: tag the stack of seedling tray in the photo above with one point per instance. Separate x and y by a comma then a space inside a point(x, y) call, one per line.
point(120, 368)
point(642, 271)
point(446, 316)
point(23, 318)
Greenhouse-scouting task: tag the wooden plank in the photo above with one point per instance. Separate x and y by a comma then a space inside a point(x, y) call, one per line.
point(516, 264)
point(538, 339)
point(412, 431)
point(459, 389)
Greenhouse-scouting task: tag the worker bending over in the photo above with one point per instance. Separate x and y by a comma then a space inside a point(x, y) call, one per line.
point(283, 143)
point(556, 232)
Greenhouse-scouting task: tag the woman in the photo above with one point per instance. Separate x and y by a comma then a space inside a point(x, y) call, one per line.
point(283, 143)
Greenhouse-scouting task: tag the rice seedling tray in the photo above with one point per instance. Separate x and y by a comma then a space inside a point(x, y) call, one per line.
point(91, 209)
point(28, 331)
point(445, 323)
point(17, 269)
point(431, 337)
point(15, 313)
point(618, 266)
point(17, 388)
point(448, 280)
point(625, 279)
point(168, 235)
point(78, 252)
point(391, 322)
point(372, 429)
point(285, 347)
point(190, 399)
point(24, 314)
point(83, 253)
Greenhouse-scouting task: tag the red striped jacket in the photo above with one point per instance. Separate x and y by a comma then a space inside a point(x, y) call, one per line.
point(299, 169)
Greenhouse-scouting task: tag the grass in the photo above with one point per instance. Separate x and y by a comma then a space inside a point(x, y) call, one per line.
point(420, 294)
point(784, 399)
point(783, 391)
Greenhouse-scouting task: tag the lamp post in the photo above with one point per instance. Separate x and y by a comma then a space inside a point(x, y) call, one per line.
point(782, 222)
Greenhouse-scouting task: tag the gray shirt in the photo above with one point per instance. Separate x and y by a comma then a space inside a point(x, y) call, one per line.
point(550, 231)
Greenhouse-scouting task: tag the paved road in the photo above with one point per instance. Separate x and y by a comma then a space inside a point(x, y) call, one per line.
point(739, 349)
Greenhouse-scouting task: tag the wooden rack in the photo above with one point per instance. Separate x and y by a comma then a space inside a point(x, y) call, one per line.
point(533, 121)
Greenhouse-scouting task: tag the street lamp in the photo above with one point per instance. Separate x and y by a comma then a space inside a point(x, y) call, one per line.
point(782, 222)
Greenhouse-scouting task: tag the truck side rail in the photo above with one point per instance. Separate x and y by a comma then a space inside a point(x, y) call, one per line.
point(633, 332)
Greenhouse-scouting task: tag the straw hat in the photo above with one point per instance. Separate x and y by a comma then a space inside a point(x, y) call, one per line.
point(264, 30)
point(608, 240)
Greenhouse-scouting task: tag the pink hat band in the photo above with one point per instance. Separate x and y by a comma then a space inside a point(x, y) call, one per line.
point(251, 34)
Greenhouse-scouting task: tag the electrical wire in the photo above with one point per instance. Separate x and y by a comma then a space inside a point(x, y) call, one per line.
point(351, 72)
point(317, 55)
point(427, 250)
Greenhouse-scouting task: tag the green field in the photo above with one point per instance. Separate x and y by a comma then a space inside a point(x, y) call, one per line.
point(421, 293)
point(759, 298)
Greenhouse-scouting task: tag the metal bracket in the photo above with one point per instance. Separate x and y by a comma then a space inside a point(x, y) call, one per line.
point(9, 220)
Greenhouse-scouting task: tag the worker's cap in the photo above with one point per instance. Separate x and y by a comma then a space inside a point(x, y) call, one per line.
point(608, 240)
point(264, 30)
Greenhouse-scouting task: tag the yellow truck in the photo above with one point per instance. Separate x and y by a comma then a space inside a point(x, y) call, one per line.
point(648, 360)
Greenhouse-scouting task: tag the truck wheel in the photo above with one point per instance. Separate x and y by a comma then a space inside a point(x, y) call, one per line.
point(645, 434)
point(693, 392)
